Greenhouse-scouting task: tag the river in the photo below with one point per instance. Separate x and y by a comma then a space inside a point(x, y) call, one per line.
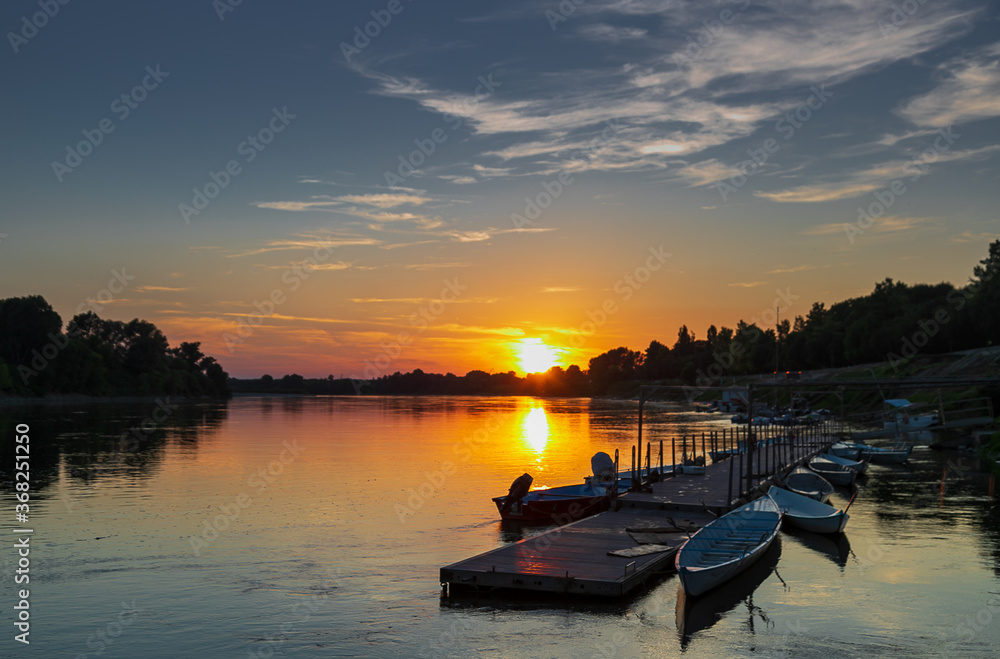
point(315, 527)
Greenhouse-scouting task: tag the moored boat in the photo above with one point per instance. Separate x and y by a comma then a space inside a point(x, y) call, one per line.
point(808, 514)
point(843, 450)
point(836, 474)
point(559, 505)
point(565, 504)
point(858, 466)
point(809, 484)
point(880, 455)
point(727, 546)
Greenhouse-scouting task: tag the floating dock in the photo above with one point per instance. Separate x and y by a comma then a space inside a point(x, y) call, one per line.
point(574, 559)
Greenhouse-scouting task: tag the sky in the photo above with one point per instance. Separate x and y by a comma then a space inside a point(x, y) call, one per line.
point(353, 189)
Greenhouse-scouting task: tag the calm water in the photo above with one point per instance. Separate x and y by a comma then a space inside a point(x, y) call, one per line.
point(316, 528)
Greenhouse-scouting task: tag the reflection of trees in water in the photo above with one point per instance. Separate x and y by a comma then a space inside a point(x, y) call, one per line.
point(104, 440)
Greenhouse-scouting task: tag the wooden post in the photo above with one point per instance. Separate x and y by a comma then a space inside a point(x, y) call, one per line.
point(729, 496)
point(751, 449)
point(673, 454)
point(642, 401)
point(633, 468)
point(704, 453)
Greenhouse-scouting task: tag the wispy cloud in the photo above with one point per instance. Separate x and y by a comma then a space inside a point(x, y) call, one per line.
point(666, 110)
point(165, 289)
point(872, 178)
point(746, 284)
point(969, 90)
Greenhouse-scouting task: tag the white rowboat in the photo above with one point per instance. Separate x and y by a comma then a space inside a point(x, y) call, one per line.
point(842, 450)
point(808, 514)
point(835, 473)
point(808, 484)
point(860, 467)
point(727, 546)
point(882, 456)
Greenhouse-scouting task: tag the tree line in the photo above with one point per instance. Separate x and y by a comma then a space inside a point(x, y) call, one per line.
point(894, 323)
point(97, 357)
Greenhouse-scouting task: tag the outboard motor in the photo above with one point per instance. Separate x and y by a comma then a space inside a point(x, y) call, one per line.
point(603, 467)
point(520, 487)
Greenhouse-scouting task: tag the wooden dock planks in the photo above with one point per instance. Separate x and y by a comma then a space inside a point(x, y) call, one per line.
point(573, 559)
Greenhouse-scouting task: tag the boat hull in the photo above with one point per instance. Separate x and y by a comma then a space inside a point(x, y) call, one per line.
point(808, 514)
point(809, 484)
point(844, 451)
point(860, 467)
point(832, 472)
point(883, 456)
point(559, 505)
point(727, 546)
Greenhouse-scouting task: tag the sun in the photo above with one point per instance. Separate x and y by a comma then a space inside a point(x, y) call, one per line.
point(534, 356)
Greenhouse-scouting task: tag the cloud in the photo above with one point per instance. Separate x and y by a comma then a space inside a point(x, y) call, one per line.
point(874, 178)
point(384, 200)
point(971, 237)
point(969, 90)
point(459, 180)
point(436, 266)
point(798, 268)
point(166, 289)
point(706, 172)
point(746, 284)
point(561, 289)
point(610, 33)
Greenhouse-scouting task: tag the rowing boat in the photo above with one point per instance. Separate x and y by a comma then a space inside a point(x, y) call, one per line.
point(808, 514)
point(884, 456)
point(727, 546)
point(835, 473)
point(858, 466)
point(842, 450)
point(809, 484)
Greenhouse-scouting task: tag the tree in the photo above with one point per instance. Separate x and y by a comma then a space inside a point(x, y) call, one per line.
point(27, 324)
point(984, 290)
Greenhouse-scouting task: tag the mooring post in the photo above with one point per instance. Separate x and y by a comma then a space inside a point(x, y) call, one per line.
point(729, 496)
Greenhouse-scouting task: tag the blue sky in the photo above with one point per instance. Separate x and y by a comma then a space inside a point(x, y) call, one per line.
point(629, 121)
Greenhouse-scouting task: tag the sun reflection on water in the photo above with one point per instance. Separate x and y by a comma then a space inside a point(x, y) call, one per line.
point(535, 429)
